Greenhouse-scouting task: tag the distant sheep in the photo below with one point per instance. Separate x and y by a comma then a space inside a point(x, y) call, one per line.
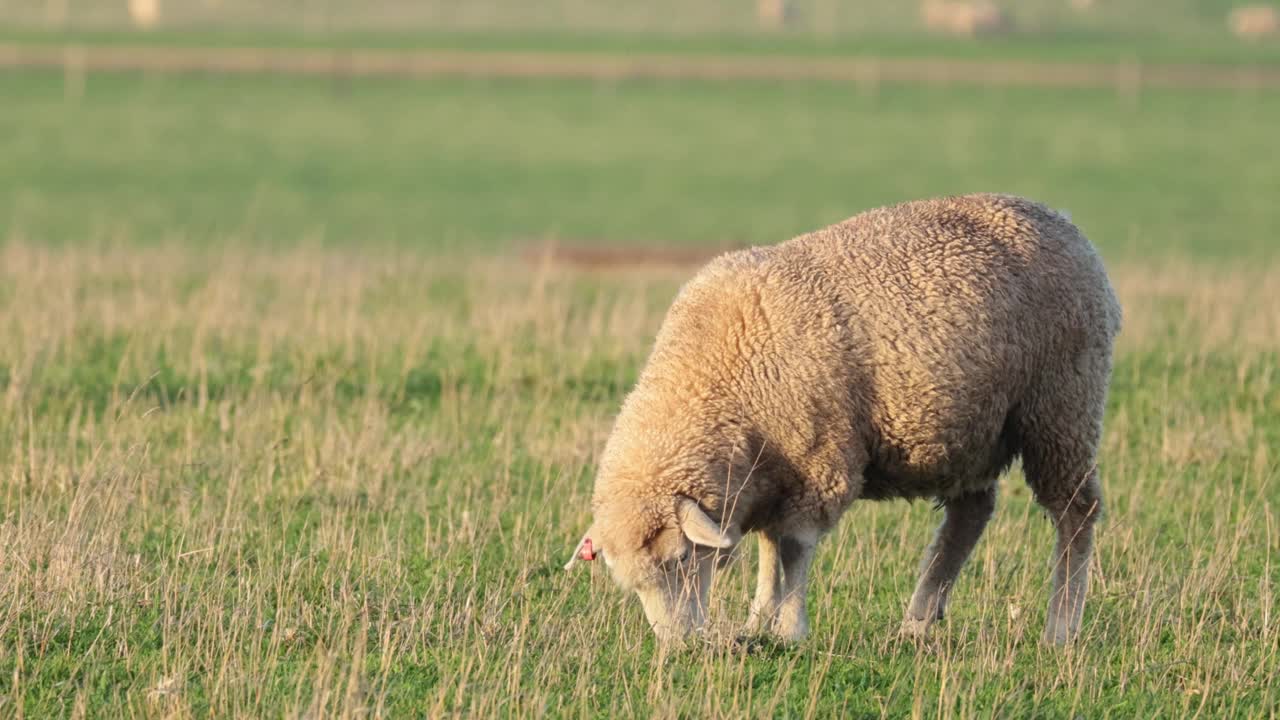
point(908, 352)
point(961, 17)
point(1254, 21)
point(144, 13)
point(774, 14)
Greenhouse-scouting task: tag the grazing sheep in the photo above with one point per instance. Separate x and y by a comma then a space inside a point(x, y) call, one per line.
point(911, 351)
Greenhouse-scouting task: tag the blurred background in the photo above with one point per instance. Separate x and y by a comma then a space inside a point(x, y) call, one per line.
point(494, 123)
point(298, 420)
point(1133, 18)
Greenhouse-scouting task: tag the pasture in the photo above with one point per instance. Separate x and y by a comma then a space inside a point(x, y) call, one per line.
point(290, 426)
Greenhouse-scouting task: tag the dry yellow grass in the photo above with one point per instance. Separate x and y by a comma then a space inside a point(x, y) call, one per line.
point(325, 483)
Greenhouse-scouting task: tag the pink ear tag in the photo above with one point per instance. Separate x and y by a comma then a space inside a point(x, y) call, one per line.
point(587, 552)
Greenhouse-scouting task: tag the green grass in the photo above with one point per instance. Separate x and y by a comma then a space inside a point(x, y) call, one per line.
point(340, 482)
point(451, 164)
point(286, 429)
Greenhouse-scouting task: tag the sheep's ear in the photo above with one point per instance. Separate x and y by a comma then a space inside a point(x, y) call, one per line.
point(700, 528)
point(584, 543)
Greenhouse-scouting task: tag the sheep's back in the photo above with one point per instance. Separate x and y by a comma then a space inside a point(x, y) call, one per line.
point(906, 336)
point(955, 307)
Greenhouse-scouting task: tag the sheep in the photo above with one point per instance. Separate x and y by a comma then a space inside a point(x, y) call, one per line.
point(774, 14)
point(144, 13)
point(963, 17)
point(1254, 22)
point(908, 352)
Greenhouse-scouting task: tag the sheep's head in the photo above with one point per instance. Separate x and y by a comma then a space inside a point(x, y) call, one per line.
point(666, 558)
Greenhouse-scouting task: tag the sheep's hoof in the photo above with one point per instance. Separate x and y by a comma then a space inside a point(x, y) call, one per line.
point(758, 623)
point(1059, 635)
point(789, 632)
point(914, 628)
point(790, 638)
point(778, 626)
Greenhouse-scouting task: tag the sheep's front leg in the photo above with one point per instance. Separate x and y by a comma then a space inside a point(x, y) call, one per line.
point(966, 517)
point(764, 608)
point(795, 551)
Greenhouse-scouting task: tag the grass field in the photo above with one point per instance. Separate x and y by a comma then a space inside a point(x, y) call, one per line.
point(321, 482)
point(465, 164)
point(287, 428)
point(1146, 31)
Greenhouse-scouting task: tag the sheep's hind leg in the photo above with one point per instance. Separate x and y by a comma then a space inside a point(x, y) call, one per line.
point(764, 608)
point(966, 517)
point(1074, 508)
point(1060, 433)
